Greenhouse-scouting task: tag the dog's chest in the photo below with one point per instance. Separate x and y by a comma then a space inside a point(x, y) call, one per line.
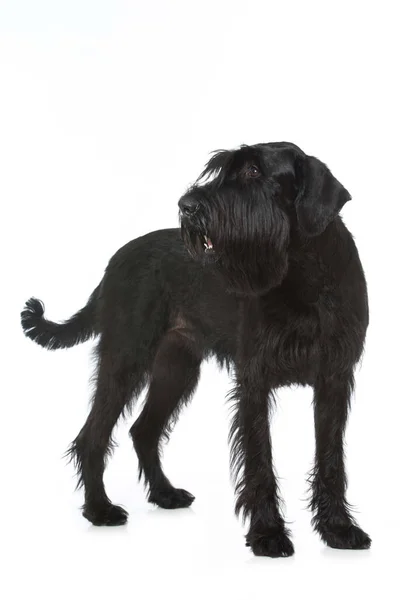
point(283, 333)
point(295, 339)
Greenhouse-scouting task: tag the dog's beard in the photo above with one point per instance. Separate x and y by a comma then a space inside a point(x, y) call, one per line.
point(256, 260)
point(198, 243)
point(248, 243)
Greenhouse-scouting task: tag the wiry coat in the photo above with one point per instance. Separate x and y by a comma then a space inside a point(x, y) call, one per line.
point(268, 280)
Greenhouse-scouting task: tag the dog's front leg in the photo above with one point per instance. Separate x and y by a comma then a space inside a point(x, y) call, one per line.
point(252, 462)
point(332, 517)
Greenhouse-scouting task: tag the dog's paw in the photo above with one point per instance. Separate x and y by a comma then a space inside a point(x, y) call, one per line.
point(275, 545)
point(108, 514)
point(346, 538)
point(171, 498)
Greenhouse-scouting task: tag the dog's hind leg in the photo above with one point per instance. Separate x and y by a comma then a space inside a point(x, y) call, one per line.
point(173, 380)
point(332, 518)
point(118, 380)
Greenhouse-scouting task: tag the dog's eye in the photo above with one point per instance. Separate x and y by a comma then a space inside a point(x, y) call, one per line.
point(253, 171)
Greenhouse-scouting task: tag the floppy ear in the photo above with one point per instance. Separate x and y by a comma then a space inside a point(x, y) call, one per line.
point(321, 197)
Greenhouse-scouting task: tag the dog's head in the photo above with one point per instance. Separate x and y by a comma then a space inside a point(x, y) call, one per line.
point(244, 208)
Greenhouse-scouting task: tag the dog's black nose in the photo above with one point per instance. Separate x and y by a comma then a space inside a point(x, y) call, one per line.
point(188, 205)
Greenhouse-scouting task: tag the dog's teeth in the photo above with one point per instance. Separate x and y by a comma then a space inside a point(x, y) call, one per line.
point(207, 242)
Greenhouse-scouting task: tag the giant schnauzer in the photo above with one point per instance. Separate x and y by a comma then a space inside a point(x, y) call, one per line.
point(265, 277)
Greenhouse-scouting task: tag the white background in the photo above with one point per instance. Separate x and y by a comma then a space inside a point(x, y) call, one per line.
point(108, 110)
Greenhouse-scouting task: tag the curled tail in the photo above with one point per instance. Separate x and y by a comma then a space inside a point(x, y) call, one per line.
point(79, 328)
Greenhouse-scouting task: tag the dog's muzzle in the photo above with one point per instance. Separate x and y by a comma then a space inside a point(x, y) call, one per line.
point(192, 221)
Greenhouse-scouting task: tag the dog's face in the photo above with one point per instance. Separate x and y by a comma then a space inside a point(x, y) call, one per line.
point(246, 204)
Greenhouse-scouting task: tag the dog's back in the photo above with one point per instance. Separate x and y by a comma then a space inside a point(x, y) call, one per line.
point(138, 298)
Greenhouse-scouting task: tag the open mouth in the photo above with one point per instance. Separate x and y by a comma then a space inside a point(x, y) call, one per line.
point(198, 241)
point(208, 245)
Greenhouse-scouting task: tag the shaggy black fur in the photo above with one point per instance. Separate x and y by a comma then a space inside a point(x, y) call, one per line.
point(268, 280)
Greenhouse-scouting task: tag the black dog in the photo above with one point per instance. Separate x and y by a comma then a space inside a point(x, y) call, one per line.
point(272, 285)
